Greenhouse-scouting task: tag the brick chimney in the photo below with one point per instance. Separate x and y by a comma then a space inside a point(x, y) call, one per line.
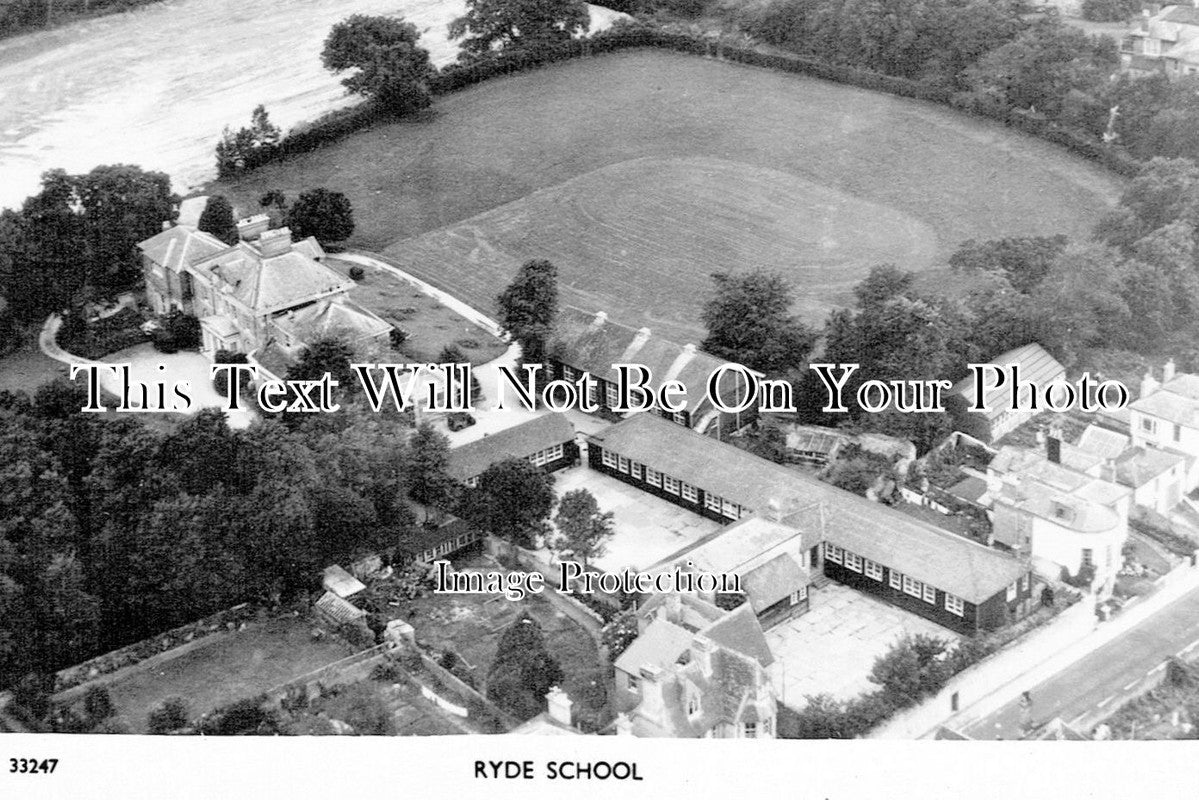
point(1168, 370)
point(701, 651)
point(558, 705)
point(275, 243)
point(251, 228)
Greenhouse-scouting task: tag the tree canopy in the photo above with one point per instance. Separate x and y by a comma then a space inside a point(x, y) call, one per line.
point(322, 213)
point(389, 65)
point(523, 670)
point(505, 25)
point(513, 501)
point(218, 220)
point(749, 321)
point(528, 307)
point(583, 528)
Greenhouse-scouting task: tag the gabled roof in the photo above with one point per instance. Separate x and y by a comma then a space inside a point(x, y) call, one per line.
point(739, 631)
point(1181, 15)
point(1176, 401)
point(732, 548)
point(592, 343)
point(773, 581)
point(338, 609)
point(335, 579)
point(660, 645)
point(926, 553)
point(1103, 442)
point(1139, 465)
point(521, 441)
point(1036, 366)
point(179, 246)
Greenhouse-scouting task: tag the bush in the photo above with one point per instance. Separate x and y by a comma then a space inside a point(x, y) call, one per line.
point(171, 715)
point(1109, 10)
point(357, 273)
point(397, 336)
point(242, 717)
point(179, 331)
point(221, 381)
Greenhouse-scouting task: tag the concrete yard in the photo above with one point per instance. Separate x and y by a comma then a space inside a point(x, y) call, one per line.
point(831, 648)
point(647, 528)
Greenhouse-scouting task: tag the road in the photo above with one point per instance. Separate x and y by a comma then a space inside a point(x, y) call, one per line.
point(1091, 682)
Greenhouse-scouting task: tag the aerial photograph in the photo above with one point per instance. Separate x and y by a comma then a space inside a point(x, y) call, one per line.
point(662, 369)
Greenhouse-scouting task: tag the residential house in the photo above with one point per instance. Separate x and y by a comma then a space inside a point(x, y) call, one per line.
point(1036, 366)
point(592, 344)
point(1166, 417)
point(546, 441)
point(1166, 40)
point(942, 576)
point(1061, 507)
point(266, 295)
point(696, 671)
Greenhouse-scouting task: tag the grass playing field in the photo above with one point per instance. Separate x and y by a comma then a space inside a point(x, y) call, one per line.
point(641, 172)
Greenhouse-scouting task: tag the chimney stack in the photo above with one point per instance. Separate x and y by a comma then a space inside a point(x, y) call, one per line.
point(1148, 385)
point(558, 705)
point(275, 243)
point(1053, 445)
point(701, 651)
point(1169, 369)
point(652, 705)
point(251, 228)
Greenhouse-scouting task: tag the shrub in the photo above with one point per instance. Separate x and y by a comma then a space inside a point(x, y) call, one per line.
point(169, 716)
point(397, 336)
point(179, 331)
point(357, 273)
point(1109, 10)
point(221, 381)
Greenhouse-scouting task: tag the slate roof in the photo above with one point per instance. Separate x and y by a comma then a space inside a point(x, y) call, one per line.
point(1068, 511)
point(660, 644)
point(1176, 401)
point(1139, 465)
point(1181, 15)
point(329, 317)
point(1103, 442)
point(1036, 365)
point(926, 553)
point(773, 581)
point(521, 441)
point(739, 630)
point(593, 344)
point(271, 284)
point(179, 246)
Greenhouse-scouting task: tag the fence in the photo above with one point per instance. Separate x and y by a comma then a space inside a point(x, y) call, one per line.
point(333, 670)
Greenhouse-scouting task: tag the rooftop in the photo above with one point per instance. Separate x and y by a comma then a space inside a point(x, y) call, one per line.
point(926, 553)
point(521, 441)
point(1036, 365)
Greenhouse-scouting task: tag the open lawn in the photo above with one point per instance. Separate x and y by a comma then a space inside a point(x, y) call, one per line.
point(222, 668)
point(641, 172)
point(429, 324)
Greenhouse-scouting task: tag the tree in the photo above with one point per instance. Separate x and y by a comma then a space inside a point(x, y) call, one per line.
point(1025, 261)
point(390, 67)
point(619, 633)
point(523, 670)
point(506, 25)
point(427, 474)
point(749, 322)
point(519, 498)
point(247, 148)
point(325, 355)
point(321, 213)
point(122, 205)
point(97, 704)
point(46, 244)
point(583, 528)
point(528, 307)
point(218, 220)
point(914, 668)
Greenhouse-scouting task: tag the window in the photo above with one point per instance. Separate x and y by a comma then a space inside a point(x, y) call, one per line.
point(1148, 425)
point(653, 477)
point(799, 596)
point(634, 684)
point(472, 482)
point(1012, 590)
point(1088, 557)
point(670, 484)
point(914, 588)
point(692, 704)
point(593, 391)
point(712, 502)
point(768, 726)
point(896, 580)
point(832, 553)
point(609, 459)
point(955, 605)
point(622, 464)
point(612, 395)
point(1177, 432)
point(554, 453)
point(751, 730)
point(637, 470)
point(730, 510)
point(568, 374)
point(930, 594)
point(874, 570)
point(690, 493)
point(853, 561)
point(680, 417)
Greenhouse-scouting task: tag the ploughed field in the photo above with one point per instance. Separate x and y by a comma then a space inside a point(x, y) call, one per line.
point(640, 173)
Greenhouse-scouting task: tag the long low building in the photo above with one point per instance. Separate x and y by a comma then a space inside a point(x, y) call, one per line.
point(949, 579)
point(547, 441)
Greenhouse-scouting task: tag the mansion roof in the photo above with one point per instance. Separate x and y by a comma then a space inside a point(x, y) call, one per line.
point(266, 284)
point(180, 246)
point(931, 555)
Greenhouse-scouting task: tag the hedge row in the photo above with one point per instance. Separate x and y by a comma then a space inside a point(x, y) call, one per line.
point(456, 77)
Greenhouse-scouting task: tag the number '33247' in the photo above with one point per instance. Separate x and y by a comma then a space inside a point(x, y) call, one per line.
point(32, 766)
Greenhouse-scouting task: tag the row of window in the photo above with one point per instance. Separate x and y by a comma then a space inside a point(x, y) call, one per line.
point(672, 485)
point(611, 395)
point(448, 546)
point(906, 584)
point(546, 456)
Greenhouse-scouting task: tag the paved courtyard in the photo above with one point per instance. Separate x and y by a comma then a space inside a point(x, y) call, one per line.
point(647, 528)
point(831, 649)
